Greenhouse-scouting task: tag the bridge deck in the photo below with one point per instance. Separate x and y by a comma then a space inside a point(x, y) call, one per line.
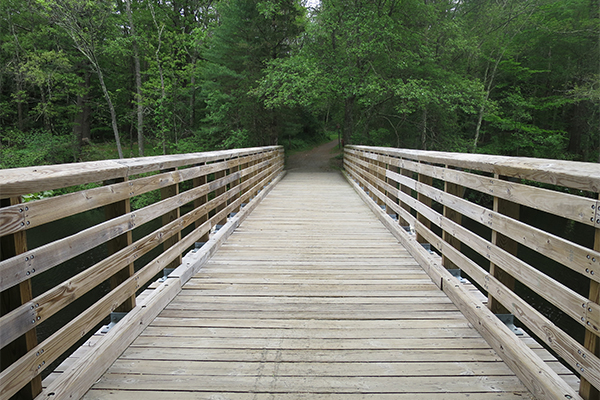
point(310, 298)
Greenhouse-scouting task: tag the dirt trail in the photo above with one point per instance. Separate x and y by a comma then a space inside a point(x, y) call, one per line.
point(318, 159)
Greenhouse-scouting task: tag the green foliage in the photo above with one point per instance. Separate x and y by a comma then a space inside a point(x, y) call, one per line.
point(22, 149)
point(505, 77)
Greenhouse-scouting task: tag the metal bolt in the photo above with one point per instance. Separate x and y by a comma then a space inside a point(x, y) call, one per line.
point(588, 256)
point(587, 270)
point(32, 270)
point(33, 321)
point(590, 309)
point(594, 259)
point(38, 318)
point(20, 210)
point(598, 221)
point(26, 208)
point(26, 258)
point(22, 223)
point(568, 396)
point(28, 273)
point(32, 256)
point(583, 319)
point(592, 272)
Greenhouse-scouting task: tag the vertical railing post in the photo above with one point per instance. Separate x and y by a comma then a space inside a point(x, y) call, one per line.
point(10, 246)
point(199, 181)
point(408, 191)
point(427, 180)
point(218, 175)
point(511, 210)
point(591, 340)
point(166, 192)
point(235, 183)
point(112, 211)
point(459, 191)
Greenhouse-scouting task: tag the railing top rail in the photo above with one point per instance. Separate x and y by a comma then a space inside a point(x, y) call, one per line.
point(19, 181)
point(573, 174)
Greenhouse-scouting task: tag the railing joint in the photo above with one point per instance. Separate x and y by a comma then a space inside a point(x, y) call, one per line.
point(509, 321)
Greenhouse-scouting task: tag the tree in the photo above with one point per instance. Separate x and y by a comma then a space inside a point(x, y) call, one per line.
point(85, 22)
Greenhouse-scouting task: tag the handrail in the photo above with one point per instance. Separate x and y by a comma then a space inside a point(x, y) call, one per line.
point(425, 190)
point(216, 185)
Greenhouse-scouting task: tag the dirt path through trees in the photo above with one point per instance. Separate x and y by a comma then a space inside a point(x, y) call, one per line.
point(320, 159)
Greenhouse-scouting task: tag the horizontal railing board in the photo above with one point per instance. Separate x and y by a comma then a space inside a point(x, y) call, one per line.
point(540, 379)
point(18, 181)
point(564, 345)
point(19, 321)
point(584, 311)
point(574, 207)
point(78, 378)
point(13, 324)
point(578, 307)
point(35, 261)
point(582, 176)
point(31, 214)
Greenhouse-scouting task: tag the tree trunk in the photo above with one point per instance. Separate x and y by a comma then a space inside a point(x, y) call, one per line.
point(86, 126)
point(113, 114)
point(138, 82)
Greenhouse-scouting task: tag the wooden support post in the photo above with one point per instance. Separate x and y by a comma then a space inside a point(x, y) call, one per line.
point(408, 191)
point(459, 191)
point(10, 246)
point(511, 210)
point(233, 184)
point(169, 217)
point(111, 211)
point(381, 178)
point(199, 181)
point(427, 180)
point(394, 184)
point(592, 341)
point(218, 192)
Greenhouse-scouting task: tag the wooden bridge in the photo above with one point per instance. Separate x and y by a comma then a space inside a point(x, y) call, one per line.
point(388, 281)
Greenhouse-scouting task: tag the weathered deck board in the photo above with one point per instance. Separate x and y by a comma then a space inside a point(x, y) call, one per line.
point(311, 298)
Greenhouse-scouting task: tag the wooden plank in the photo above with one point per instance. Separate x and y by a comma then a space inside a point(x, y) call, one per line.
point(26, 216)
point(12, 350)
point(541, 380)
point(47, 304)
point(553, 291)
point(167, 218)
point(97, 394)
point(563, 344)
point(115, 245)
point(14, 270)
point(578, 175)
point(511, 210)
point(83, 374)
point(278, 384)
point(591, 390)
point(451, 214)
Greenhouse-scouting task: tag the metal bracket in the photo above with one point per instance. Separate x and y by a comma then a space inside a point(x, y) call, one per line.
point(456, 273)
point(427, 247)
point(115, 317)
point(197, 246)
point(509, 321)
point(166, 273)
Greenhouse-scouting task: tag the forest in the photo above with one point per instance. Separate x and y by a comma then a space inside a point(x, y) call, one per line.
point(83, 80)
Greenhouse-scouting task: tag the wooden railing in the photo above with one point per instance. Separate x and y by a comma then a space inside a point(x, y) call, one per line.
point(197, 191)
point(471, 210)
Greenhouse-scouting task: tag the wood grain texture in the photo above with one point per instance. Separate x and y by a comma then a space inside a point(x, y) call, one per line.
point(308, 298)
point(539, 378)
